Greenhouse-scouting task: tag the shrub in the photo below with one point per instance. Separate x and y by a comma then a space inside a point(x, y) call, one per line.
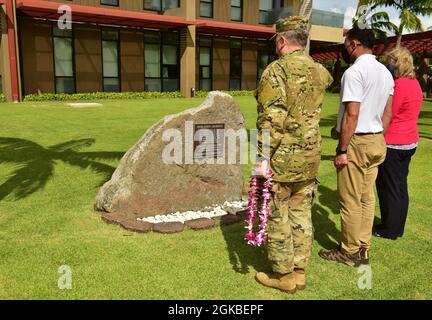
point(101, 96)
point(121, 95)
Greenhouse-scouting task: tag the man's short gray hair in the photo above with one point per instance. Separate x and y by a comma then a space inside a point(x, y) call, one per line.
point(298, 37)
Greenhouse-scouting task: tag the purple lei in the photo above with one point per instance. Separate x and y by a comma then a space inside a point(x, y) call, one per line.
point(256, 239)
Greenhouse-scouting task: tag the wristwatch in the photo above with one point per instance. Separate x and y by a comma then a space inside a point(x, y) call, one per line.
point(339, 151)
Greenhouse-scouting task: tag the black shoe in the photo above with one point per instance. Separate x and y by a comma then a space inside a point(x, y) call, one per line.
point(364, 256)
point(379, 233)
point(376, 232)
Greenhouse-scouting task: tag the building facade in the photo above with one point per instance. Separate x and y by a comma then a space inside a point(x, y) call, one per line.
point(78, 46)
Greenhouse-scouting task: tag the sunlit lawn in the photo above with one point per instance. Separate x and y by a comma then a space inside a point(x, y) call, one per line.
point(53, 159)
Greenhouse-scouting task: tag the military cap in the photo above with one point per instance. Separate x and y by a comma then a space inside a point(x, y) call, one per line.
point(291, 23)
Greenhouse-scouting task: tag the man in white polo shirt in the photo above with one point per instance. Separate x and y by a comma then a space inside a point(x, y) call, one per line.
point(365, 113)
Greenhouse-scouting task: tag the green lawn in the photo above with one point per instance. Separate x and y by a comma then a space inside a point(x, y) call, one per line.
point(53, 160)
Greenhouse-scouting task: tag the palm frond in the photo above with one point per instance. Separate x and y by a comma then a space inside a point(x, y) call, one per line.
point(380, 16)
point(73, 145)
point(104, 155)
point(410, 21)
point(421, 7)
point(381, 35)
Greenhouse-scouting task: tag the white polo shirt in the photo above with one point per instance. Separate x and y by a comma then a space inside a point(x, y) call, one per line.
point(369, 82)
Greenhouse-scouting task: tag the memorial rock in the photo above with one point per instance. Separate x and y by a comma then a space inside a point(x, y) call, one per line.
point(176, 166)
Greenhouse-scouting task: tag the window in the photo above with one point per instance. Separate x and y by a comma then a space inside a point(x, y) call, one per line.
point(266, 8)
point(237, 10)
point(110, 2)
point(161, 57)
point(161, 5)
point(206, 8)
point(266, 55)
point(110, 57)
point(235, 64)
point(63, 60)
point(205, 61)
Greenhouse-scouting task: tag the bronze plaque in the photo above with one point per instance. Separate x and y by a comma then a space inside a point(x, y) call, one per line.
point(210, 139)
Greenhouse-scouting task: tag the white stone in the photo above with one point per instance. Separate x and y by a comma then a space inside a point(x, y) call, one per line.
point(215, 211)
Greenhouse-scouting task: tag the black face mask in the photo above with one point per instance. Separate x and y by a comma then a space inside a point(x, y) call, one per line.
point(346, 56)
point(392, 69)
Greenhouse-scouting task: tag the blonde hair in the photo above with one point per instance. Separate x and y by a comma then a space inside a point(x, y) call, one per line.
point(403, 61)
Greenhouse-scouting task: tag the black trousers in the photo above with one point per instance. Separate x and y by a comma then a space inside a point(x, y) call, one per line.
point(392, 188)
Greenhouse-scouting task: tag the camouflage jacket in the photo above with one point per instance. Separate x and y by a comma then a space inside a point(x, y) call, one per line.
point(290, 97)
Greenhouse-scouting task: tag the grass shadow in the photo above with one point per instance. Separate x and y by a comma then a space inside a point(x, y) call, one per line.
point(330, 121)
point(36, 163)
point(425, 115)
point(242, 256)
point(326, 233)
point(425, 135)
point(325, 157)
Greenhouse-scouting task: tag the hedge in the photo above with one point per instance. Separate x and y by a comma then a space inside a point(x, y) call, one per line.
point(120, 95)
point(101, 96)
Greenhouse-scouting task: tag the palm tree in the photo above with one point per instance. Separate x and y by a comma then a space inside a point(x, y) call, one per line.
point(380, 23)
point(409, 12)
point(35, 164)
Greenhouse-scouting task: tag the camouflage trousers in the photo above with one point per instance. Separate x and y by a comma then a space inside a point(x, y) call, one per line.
point(290, 230)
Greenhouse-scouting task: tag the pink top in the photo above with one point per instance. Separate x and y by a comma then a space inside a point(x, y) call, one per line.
point(407, 103)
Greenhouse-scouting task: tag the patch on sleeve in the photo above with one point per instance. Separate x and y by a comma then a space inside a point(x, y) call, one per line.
point(268, 95)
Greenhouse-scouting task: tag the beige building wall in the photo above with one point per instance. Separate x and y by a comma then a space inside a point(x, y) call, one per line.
point(326, 34)
point(188, 56)
point(132, 60)
point(249, 65)
point(295, 4)
point(88, 58)
point(251, 11)
point(37, 56)
point(222, 8)
point(38, 62)
point(221, 63)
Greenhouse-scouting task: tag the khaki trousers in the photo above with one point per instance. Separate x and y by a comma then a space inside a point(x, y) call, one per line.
point(356, 194)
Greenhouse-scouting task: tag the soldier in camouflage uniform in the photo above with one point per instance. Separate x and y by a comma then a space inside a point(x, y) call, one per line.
point(290, 97)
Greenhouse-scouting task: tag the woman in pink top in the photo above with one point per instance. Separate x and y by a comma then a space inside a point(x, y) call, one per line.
point(402, 139)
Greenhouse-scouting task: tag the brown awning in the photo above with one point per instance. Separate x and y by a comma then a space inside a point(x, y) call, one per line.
point(234, 29)
point(100, 15)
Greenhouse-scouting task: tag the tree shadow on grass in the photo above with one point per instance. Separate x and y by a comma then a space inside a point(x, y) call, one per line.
point(329, 157)
point(330, 121)
point(326, 233)
point(425, 115)
point(241, 255)
point(36, 163)
point(426, 136)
